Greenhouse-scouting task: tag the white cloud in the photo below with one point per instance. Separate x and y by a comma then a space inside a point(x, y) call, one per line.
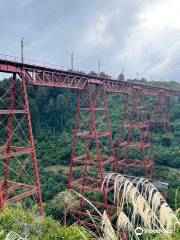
point(152, 45)
point(170, 66)
point(98, 34)
point(142, 35)
point(162, 14)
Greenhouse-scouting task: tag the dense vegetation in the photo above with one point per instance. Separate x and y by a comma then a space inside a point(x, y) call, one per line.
point(53, 112)
point(16, 223)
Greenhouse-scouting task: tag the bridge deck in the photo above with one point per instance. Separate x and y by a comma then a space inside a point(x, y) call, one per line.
point(43, 74)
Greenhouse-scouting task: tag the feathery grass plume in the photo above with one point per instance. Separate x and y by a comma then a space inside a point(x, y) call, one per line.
point(123, 221)
point(158, 204)
point(107, 229)
point(64, 199)
point(14, 236)
point(139, 203)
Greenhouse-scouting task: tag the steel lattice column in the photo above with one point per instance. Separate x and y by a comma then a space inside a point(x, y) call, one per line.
point(135, 149)
point(17, 151)
point(92, 152)
point(159, 115)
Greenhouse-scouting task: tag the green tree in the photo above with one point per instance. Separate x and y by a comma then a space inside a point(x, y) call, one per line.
point(61, 107)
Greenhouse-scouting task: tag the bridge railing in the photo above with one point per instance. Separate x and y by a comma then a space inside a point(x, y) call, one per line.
point(9, 58)
point(27, 61)
point(35, 63)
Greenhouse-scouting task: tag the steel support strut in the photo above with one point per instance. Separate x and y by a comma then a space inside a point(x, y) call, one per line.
point(26, 102)
point(92, 151)
point(135, 149)
point(10, 128)
point(17, 145)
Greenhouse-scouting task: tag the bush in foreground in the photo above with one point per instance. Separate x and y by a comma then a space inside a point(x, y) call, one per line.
point(30, 226)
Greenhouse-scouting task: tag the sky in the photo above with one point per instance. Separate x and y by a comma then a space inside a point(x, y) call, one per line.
point(140, 36)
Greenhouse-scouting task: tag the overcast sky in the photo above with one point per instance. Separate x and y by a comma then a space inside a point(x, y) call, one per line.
point(140, 35)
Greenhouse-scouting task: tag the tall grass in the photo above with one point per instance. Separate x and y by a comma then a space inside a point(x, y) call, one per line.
point(139, 205)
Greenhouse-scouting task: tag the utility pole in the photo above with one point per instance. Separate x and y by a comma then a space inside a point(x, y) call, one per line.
point(99, 66)
point(121, 76)
point(137, 75)
point(122, 70)
point(72, 61)
point(22, 50)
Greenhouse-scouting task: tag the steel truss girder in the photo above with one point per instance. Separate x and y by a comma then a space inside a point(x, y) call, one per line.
point(54, 77)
